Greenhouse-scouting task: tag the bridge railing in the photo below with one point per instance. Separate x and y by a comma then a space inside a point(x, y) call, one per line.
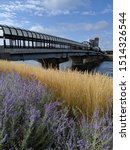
point(11, 37)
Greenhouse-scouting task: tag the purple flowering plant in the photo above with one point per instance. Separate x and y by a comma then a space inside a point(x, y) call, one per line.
point(31, 120)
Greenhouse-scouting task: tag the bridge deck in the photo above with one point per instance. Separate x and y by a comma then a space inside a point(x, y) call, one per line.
point(38, 50)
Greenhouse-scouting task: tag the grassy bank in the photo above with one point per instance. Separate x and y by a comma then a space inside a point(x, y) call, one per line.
point(82, 90)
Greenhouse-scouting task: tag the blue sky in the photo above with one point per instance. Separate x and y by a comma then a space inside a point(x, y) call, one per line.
point(78, 20)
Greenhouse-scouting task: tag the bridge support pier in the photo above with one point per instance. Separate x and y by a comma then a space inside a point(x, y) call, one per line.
point(76, 62)
point(91, 62)
point(86, 63)
point(49, 63)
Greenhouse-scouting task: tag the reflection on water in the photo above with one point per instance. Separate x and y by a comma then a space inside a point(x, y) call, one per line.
point(105, 67)
point(30, 62)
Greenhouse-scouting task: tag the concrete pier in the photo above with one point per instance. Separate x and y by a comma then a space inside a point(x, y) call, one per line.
point(81, 63)
point(86, 63)
point(49, 63)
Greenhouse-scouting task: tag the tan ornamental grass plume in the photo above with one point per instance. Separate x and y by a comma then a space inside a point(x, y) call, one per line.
point(82, 90)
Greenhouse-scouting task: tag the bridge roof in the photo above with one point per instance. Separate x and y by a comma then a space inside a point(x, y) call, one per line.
point(11, 32)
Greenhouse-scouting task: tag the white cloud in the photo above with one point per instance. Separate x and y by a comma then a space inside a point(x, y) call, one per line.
point(7, 15)
point(20, 6)
point(57, 4)
point(40, 7)
point(108, 9)
point(9, 18)
point(89, 13)
point(9, 11)
point(47, 30)
point(55, 7)
point(100, 25)
point(62, 28)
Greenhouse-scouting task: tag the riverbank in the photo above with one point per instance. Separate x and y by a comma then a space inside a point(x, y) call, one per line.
point(83, 90)
point(109, 57)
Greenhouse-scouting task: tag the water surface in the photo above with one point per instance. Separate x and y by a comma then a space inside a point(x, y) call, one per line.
point(105, 67)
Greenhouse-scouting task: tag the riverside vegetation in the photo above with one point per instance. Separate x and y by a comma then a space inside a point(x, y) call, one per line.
point(51, 109)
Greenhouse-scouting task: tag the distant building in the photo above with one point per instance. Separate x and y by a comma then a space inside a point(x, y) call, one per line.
point(94, 42)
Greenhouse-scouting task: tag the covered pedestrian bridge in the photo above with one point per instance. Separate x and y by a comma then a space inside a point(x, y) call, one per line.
point(21, 44)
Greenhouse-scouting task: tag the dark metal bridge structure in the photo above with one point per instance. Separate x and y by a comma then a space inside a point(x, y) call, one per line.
point(20, 44)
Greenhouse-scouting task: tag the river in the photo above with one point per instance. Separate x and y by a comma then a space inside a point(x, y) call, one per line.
point(105, 67)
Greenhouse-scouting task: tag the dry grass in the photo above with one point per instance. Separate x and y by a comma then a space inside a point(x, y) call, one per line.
point(83, 90)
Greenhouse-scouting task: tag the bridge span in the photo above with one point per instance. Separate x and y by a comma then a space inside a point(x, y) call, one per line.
point(21, 44)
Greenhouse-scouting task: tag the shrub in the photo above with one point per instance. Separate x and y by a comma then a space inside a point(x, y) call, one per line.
point(31, 120)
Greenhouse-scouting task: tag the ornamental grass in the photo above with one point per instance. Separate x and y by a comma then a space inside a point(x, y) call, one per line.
point(84, 91)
